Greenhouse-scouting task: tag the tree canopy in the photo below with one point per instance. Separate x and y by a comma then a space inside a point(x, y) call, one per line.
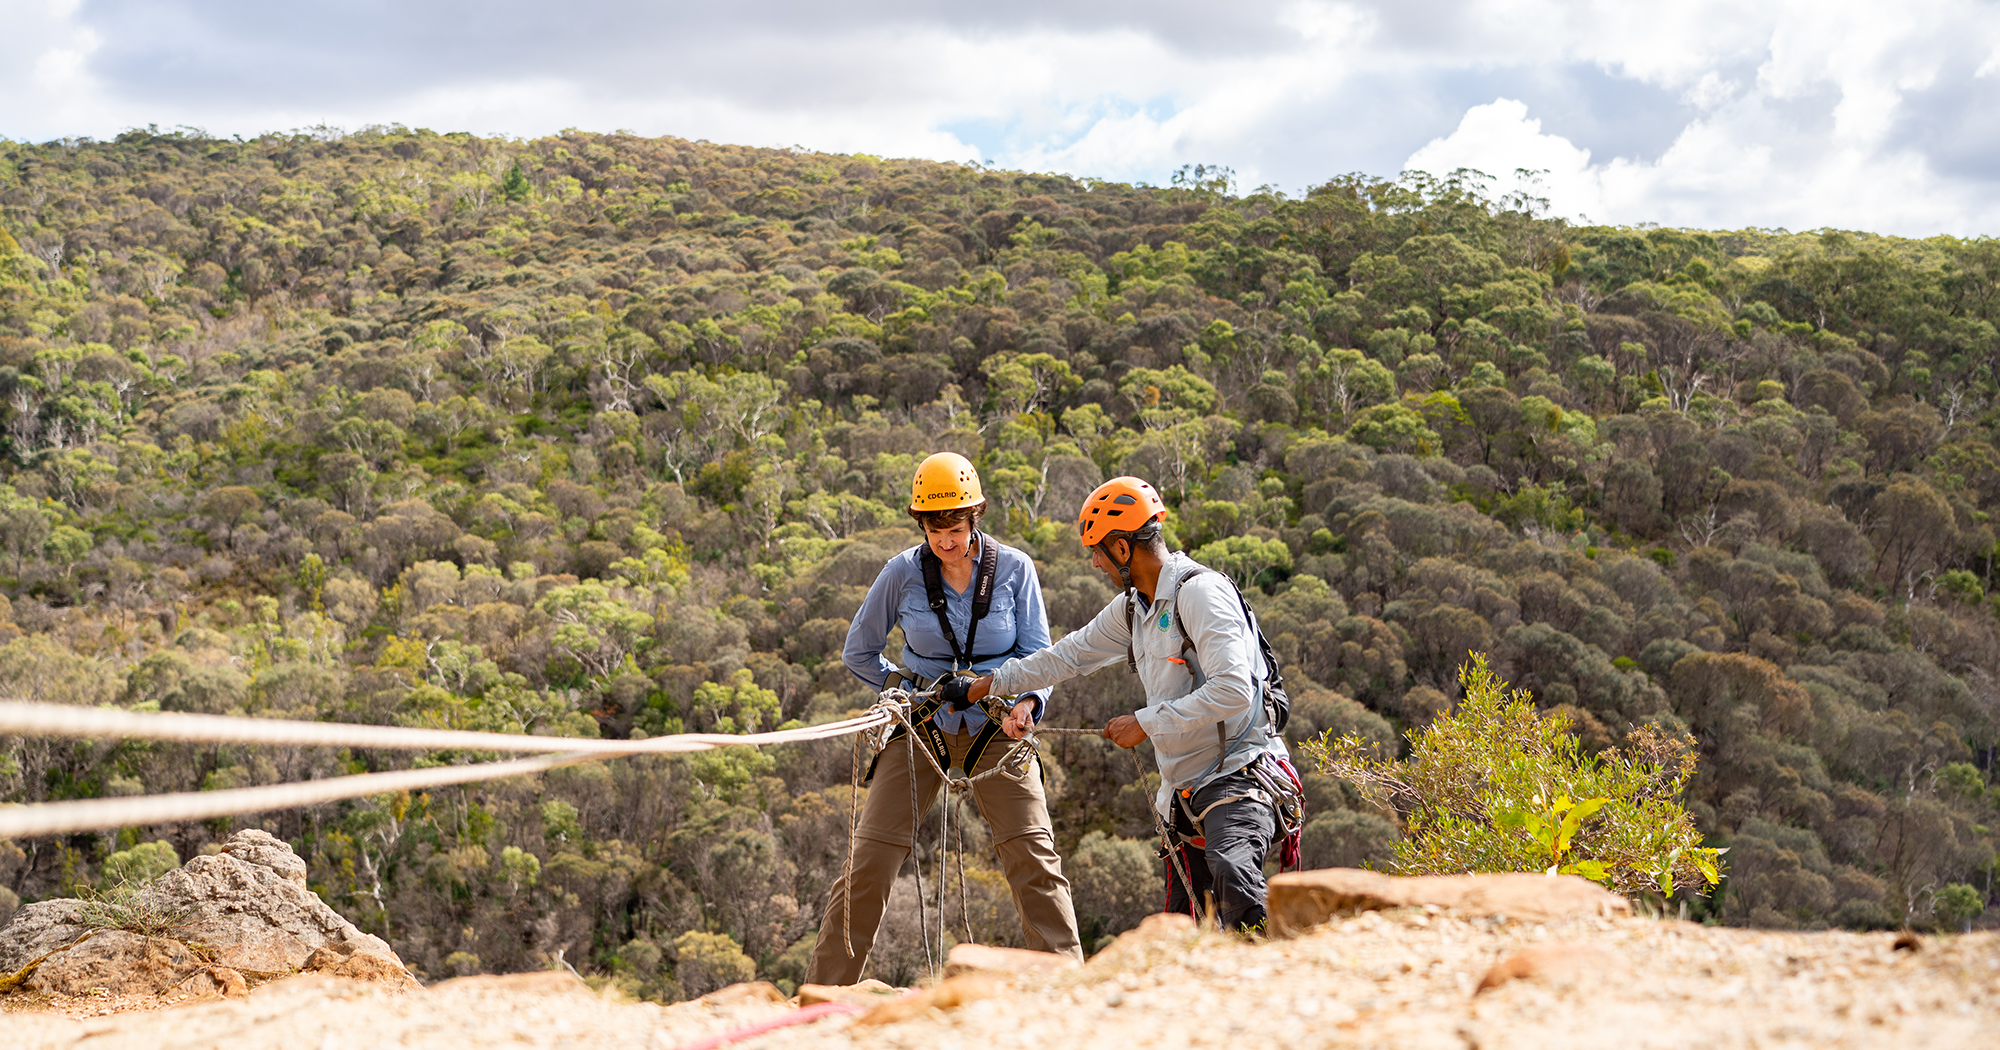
point(600, 434)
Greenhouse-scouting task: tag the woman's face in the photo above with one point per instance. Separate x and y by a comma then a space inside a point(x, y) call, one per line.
point(952, 544)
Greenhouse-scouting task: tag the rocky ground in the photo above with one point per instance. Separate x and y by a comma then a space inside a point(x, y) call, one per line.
point(1403, 976)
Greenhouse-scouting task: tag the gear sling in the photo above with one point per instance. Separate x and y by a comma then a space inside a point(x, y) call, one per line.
point(1279, 785)
point(982, 602)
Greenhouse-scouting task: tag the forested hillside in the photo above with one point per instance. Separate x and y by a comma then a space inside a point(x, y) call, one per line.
point(604, 435)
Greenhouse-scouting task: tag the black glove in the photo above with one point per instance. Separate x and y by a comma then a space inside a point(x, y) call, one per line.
point(954, 691)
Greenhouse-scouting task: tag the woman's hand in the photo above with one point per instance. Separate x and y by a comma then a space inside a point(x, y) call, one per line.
point(1020, 720)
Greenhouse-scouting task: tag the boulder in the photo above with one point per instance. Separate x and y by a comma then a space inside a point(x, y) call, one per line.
point(746, 992)
point(121, 963)
point(244, 911)
point(215, 982)
point(969, 957)
point(532, 982)
point(1302, 899)
point(948, 994)
point(1157, 937)
point(867, 993)
point(40, 928)
point(366, 966)
point(250, 904)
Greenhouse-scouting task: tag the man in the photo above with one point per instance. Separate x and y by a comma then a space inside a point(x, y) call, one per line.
point(1205, 716)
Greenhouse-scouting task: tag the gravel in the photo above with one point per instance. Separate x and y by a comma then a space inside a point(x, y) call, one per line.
point(1404, 978)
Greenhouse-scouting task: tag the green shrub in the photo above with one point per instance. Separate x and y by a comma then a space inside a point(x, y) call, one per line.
point(1958, 904)
point(1494, 786)
point(139, 865)
point(707, 961)
point(1116, 882)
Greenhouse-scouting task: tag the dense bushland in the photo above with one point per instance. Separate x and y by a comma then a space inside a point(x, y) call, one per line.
point(608, 435)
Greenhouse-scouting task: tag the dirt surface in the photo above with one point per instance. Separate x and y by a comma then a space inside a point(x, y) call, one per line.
point(1408, 978)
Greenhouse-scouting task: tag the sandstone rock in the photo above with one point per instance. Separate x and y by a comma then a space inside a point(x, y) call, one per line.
point(1559, 965)
point(867, 993)
point(1303, 899)
point(247, 908)
point(121, 963)
point(37, 929)
point(256, 846)
point(534, 982)
point(968, 958)
point(1156, 935)
point(212, 983)
point(365, 966)
point(250, 904)
point(744, 992)
point(949, 994)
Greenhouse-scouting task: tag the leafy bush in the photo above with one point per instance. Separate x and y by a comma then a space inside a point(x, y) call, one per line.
point(141, 864)
point(707, 961)
point(1958, 904)
point(1116, 882)
point(1494, 786)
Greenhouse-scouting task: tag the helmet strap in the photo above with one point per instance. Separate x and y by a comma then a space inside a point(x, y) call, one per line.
point(1124, 567)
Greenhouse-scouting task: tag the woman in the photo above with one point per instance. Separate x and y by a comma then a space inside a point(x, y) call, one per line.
point(964, 566)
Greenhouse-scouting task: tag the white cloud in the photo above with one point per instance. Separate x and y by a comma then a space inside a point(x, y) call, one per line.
point(1707, 112)
point(47, 71)
point(1500, 139)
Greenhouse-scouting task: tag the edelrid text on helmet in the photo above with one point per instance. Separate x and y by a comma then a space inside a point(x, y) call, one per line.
point(945, 481)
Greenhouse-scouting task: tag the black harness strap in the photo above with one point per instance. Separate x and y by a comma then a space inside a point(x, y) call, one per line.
point(982, 595)
point(962, 658)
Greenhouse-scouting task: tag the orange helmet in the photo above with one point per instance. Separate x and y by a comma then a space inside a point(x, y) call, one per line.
point(1118, 505)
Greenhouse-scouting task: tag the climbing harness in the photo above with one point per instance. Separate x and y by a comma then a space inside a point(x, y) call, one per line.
point(904, 706)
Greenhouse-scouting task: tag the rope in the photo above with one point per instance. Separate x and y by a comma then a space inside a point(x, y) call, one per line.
point(853, 829)
point(1166, 839)
point(54, 818)
point(964, 899)
point(916, 821)
point(30, 719)
point(801, 1016)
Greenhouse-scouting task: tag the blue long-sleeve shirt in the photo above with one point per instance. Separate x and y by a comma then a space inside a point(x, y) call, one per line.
point(1016, 624)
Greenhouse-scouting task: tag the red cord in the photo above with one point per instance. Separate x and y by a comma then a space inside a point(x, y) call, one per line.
point(801, 1016)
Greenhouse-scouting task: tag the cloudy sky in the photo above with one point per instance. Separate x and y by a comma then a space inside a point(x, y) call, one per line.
point(1789, 113)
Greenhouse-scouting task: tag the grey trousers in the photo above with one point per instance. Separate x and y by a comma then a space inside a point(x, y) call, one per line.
point(1016, 811)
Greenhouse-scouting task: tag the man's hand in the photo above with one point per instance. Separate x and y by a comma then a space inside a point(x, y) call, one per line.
point(1125, 731)
point(1020, 720)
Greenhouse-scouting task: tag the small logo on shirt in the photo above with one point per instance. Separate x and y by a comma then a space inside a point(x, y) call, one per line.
point(1166, 620)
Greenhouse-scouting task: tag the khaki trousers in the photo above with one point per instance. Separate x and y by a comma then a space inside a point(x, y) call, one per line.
point(1015, 811)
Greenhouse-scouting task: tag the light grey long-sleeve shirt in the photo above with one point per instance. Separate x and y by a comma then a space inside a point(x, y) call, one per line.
point(1181, 719)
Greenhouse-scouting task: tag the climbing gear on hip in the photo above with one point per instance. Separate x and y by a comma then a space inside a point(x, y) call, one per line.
point(918, 710)
point(945, 481)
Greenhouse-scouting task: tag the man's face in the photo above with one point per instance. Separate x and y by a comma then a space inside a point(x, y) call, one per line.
point(1105, 558)
point(953, 544)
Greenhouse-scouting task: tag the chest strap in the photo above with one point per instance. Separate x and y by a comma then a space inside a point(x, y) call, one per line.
point(982, 596)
